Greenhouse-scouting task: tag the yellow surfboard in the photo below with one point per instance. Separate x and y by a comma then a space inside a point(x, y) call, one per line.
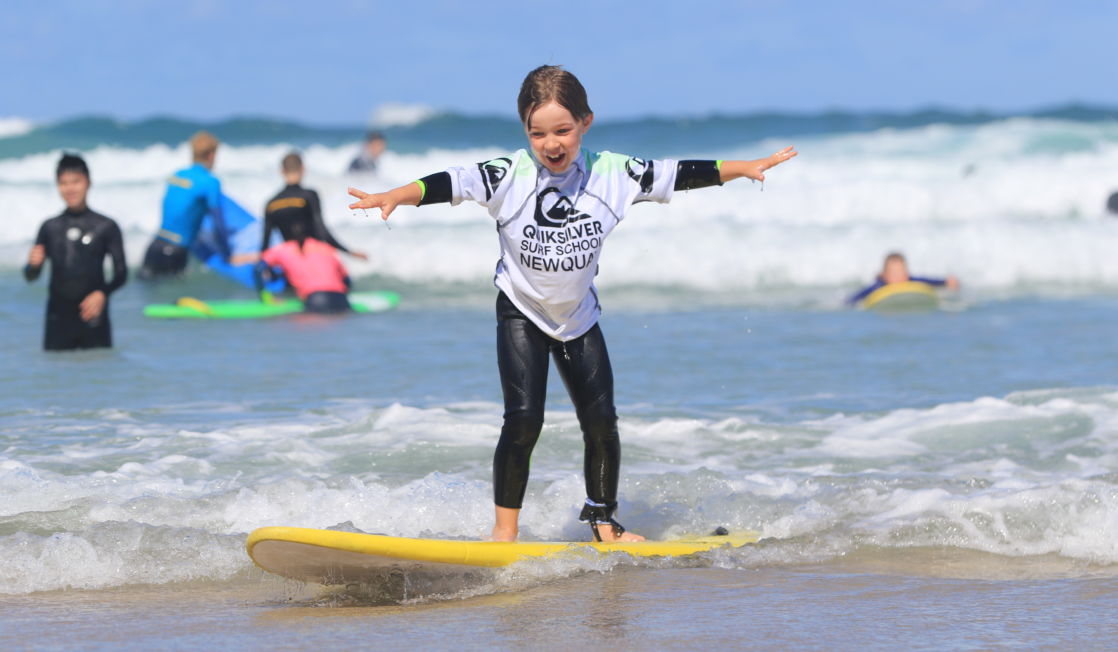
point(910, 295)
point(330, 557)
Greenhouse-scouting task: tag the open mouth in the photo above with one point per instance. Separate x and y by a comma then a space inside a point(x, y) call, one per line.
point(555, 159)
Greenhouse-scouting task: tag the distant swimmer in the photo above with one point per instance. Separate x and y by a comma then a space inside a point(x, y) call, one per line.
point(191, 194)
point(76, 243)
point(297, 212)
point(895, 270)
point(313, 269)
point(366, 161)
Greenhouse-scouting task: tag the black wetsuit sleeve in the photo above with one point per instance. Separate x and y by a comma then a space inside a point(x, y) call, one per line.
point(690, 175)
point(319, 226)
point(269, 225)
point(31, 272)
point(436, 187)
point(114, 246)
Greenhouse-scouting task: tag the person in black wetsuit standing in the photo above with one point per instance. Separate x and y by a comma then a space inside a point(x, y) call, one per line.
point(76, 242)
point(297, 212)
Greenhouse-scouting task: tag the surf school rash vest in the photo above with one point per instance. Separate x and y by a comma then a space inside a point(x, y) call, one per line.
point(552, 226)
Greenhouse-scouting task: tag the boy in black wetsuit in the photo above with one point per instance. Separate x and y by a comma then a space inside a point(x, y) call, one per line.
point(296, 211)
point(76, 242)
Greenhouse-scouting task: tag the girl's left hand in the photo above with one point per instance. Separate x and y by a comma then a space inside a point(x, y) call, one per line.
point(382, 200)
point(756, 169)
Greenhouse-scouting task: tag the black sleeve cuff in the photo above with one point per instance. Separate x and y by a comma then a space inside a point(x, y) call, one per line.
point(436, 189)
point(690, 175)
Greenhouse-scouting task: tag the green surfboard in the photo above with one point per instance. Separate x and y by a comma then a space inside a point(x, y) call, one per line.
point(191, 308)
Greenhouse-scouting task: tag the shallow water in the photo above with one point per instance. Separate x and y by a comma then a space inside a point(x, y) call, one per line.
point(947, 472)
point(944, 479)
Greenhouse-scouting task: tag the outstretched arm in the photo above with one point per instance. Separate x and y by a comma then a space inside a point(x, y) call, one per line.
point(408, 195)
point(730, 170)
point(453, 185)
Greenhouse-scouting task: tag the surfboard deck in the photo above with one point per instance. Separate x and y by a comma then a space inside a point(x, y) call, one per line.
point(190, 308)
point(331, 557)
point(898, 297)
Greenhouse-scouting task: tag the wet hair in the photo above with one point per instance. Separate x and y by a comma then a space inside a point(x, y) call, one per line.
point(71, 163)
point(203, 144)
point(374, 135)
point(893, 257)
point(299, 234)
point(552, 84)
point(292, 163)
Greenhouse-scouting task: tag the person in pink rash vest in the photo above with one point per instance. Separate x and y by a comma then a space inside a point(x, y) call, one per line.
point(313, 270)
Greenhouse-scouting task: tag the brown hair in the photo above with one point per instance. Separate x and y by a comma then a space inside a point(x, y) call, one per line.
point(292, 163)
point(893, 257)
point(203, 144)
point(552, 84)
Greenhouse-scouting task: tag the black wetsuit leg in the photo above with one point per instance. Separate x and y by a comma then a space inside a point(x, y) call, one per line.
point(66, 330)
point(163, 259)
point(584, 366)
point(326, 302)
point(522, 352)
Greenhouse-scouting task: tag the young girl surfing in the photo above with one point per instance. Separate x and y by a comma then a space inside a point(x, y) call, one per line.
point(554, 204)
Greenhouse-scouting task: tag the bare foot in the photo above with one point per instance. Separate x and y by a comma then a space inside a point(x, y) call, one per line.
point(605, 530)
point(508, 524)
point(500, 534)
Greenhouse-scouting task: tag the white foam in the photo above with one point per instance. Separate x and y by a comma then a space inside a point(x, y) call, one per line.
point(1027, 474)
point(396, 114)
point(115, 554)
point(10, 127)
point(996, 205)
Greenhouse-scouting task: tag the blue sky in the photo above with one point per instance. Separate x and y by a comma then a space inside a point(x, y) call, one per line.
point(332, 61)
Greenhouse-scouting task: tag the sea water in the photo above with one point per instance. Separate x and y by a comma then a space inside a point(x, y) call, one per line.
point(940, 479)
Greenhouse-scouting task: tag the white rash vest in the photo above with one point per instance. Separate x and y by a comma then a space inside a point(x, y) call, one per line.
point(552, 227)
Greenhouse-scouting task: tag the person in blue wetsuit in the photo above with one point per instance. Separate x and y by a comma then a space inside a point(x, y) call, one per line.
point(191, 194)
point(895, 270)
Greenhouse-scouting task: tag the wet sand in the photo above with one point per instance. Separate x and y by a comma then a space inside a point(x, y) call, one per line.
point(966, 601)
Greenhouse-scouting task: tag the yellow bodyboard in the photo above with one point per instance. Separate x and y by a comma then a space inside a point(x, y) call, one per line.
point(330, 557)
point(910, 295)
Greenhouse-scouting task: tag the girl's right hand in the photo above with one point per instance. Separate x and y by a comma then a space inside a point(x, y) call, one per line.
point(37, 256)
point(382, 200)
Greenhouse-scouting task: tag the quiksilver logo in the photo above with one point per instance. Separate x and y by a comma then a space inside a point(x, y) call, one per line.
point(640, 171)
point(492, 173)
point(553, 208)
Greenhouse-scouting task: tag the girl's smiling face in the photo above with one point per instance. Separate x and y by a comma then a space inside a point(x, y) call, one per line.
point(556, 136)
